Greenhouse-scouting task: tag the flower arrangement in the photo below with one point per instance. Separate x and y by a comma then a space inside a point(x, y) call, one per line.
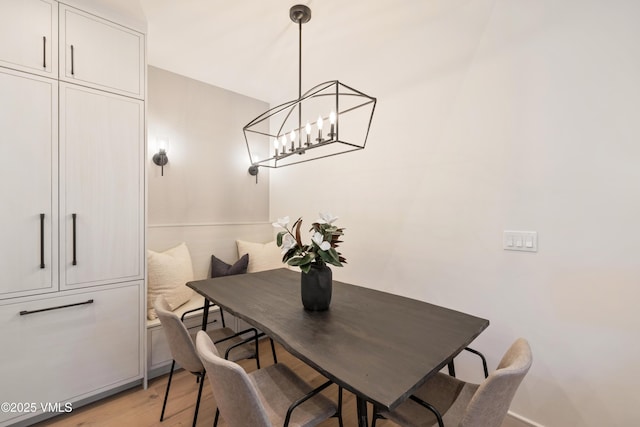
point(321, 251)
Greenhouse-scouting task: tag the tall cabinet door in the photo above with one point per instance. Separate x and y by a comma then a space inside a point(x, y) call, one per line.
point(29, 36)
point(101, 54)
point(28, 217)
point(101, 152)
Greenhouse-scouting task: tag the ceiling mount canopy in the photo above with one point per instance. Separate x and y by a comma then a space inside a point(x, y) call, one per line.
point(330, 118)
point(300, 14)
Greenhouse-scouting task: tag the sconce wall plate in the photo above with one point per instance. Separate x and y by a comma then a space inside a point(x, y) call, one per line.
point(161, 159)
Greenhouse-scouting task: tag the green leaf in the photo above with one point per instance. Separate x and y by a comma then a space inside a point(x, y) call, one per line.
point(325, 256)
point(300, 261)
point(305, 268)
point(294, 261)
point(280, 236)
point(309, 257)
point(335, 257)
point(290, 254)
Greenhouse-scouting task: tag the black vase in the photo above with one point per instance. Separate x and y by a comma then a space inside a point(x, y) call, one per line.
point(316, 287)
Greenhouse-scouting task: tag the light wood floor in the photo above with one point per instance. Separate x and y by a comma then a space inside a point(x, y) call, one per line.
point(139, 407)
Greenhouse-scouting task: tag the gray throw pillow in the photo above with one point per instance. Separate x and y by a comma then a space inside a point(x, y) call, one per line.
point(220, 268)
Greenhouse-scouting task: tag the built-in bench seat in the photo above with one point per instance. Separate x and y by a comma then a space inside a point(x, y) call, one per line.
point(195, 262)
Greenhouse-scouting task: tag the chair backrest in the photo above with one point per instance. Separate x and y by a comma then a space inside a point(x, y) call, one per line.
point(235, 394)
point(491, 401)
point(181, 345)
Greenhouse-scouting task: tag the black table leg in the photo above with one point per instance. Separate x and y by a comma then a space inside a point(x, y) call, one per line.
point(361, 406)
point(452, 369)
point(205, 315)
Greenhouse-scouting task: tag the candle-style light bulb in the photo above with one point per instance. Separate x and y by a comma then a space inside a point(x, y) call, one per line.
point(307, 128)
point(319, 139)
point(292, 135)
point(283, 143)
point(276, 144)
point(332, 120)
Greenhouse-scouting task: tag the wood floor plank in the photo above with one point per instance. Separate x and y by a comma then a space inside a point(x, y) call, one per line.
point(139, 407)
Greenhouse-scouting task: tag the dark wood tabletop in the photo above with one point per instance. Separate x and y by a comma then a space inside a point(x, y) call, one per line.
point(378, 345)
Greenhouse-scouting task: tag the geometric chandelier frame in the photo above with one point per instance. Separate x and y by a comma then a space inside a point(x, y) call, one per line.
point(268, 136)
point(329, 119)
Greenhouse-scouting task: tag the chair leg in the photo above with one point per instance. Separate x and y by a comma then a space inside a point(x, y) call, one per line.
point(273, 351)
point(375, 416)
point(340, 407)
point(200, 377)
point(257, 344)
point(166, 393)
point(215, 420)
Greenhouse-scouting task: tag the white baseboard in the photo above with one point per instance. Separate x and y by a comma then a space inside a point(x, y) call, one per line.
point(515, 420)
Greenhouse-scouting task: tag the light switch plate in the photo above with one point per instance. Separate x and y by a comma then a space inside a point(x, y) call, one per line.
point(526, 241)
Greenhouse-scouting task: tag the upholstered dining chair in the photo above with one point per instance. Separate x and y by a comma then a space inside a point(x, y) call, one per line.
point(269, 397)
point(183, 350)
point(447, 401)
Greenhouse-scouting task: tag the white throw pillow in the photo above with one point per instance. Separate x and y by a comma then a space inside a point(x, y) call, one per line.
point(262, 256)
point(167, 274)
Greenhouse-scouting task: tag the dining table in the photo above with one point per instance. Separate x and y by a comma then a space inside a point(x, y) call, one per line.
point(378, 345)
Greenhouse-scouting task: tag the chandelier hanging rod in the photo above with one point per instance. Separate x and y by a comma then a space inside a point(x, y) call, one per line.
point(300, 14)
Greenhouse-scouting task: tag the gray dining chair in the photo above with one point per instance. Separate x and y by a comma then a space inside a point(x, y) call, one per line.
point(183, 351)
point(447, 401)
point(270, 397)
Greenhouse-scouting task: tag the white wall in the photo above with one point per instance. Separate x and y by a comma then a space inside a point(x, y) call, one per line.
point(206, 197)
point(504, 115)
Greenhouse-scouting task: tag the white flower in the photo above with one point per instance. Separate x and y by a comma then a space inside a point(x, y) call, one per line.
point(318, 239)
point(326, 218)
point(282, 222)
point(288, 242)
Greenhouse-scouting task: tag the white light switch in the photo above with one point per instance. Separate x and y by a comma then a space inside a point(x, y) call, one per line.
point(520, 241)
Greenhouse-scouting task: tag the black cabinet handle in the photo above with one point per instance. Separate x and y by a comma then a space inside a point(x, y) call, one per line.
point(44, 52)
point(74, 262)
point(41, 240)
point(25, 312)
point(72, 73)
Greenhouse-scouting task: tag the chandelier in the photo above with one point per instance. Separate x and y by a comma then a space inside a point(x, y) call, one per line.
point(330, 118)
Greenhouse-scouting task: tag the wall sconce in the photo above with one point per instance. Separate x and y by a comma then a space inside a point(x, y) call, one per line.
point(253, 171)
point(160, 158)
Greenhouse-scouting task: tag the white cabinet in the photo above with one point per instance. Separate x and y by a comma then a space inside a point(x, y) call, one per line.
point(101, 54)
point(29, 216)
point(29, 36)
point(101, 169)
point(83, 343)
point(72, 149)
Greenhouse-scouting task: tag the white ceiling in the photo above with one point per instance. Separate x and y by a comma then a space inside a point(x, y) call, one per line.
point(251, 46)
